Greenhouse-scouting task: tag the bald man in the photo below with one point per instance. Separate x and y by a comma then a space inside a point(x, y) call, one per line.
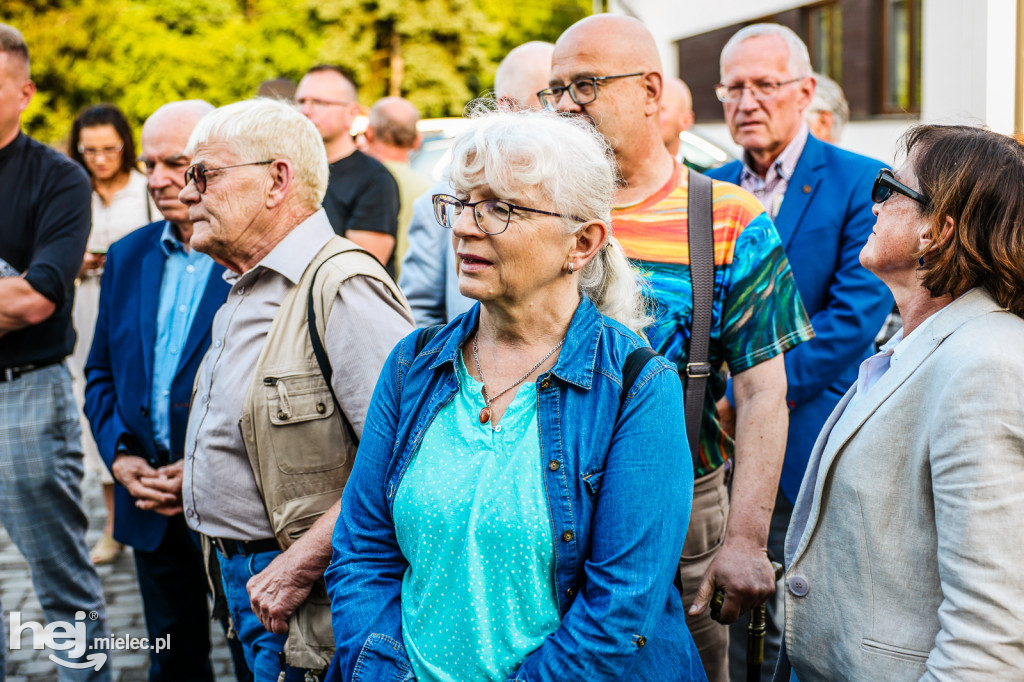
point(429, 277)
point(391, 137)
point(521, 74)
point(157, 302)
point(606, 68)
point(362, 198)
point(676, 114)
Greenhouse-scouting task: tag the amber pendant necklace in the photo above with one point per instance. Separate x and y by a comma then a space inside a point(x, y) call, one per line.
point(485, 414)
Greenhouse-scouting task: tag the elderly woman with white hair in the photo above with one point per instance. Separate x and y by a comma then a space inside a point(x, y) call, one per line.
point(520, 500)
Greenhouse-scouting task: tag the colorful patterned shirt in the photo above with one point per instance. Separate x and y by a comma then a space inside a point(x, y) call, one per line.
point(757, 310)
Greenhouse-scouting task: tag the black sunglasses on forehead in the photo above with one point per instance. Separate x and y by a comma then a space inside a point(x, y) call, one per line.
point(886, 183)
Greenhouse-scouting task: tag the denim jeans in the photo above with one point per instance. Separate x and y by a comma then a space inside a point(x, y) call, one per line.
point(41, 508)
point(263, 648)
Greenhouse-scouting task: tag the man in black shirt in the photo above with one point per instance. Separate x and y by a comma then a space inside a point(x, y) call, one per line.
point(44, 224)
point(362, 197)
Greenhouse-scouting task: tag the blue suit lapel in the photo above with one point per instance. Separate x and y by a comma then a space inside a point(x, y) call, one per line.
point(151, 275)
point(801, 189)
point(213, 297)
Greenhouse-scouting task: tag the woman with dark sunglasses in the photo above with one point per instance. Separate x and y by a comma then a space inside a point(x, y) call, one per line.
point(906, 545)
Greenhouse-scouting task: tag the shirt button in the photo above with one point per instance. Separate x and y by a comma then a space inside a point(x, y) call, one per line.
point(182, 309)
point(497, 429)
point(190, 269)
point(554, 464)
point(798, 585)
point(568, 536)
point(167, 393)
point(191, 513)
point(641, 642)
point(218, 343)
point(205, 399)
point(241, 291)
point(571, 592)
point(545, 384)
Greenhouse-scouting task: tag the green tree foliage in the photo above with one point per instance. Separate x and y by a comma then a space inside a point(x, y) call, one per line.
point(140, 54)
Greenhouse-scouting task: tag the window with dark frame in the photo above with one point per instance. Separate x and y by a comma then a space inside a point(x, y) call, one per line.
point(824, 32)
point(901, 56)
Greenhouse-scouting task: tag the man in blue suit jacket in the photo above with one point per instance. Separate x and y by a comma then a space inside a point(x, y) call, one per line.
point(820, 199)
point(157, 302)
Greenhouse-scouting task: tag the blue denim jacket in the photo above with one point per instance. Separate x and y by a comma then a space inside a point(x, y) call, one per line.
point(619, 487)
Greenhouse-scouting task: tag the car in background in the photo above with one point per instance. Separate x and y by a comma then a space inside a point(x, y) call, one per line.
point(434, 154)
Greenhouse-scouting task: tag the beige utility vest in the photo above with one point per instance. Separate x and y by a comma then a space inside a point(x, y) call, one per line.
point(295, 436)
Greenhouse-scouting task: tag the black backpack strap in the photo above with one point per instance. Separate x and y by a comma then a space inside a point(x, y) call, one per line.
point(631, 368)
point(321, 354)
point(425, 336)
point(702, 277)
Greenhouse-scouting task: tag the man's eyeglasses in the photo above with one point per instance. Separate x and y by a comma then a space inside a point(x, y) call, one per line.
point(318, 104)
point(94, 152)
point(197, 172)
point(761, 90)
point(492, 216)
point(582, 90)
point(886, 183)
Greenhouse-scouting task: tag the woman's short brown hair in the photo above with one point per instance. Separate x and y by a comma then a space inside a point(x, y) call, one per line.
point(976, 177)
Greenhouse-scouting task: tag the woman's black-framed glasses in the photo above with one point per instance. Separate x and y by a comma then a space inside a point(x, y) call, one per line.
point(582, 90)
point(886, 183)
point(492, 215)
point(197, 172)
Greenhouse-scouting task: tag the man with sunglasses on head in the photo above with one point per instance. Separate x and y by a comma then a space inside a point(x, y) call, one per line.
point(157, 300)
point(281, 396)
point(362, 200)
point(819, 197)
point(607, 69)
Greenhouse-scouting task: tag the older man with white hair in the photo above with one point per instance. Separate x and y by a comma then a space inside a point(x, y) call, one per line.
point(282, 394)
point(819, 197)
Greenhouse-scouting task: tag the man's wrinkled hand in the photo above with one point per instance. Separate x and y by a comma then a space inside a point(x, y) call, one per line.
point(277, 591)
point(137, 476)
point(741, 570)
point(167, 479)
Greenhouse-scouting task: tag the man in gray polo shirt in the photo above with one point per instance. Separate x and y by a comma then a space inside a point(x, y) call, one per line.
point(272, 431)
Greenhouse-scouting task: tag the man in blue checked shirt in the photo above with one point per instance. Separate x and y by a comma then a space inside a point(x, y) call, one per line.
point(157, 303)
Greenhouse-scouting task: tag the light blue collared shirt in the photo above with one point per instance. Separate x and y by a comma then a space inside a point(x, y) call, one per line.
point(186, 273)
point(771, 189)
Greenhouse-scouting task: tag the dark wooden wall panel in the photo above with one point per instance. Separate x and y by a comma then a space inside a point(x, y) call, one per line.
point(698, 57)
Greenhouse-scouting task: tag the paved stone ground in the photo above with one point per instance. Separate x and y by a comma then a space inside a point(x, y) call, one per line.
point(124, 608)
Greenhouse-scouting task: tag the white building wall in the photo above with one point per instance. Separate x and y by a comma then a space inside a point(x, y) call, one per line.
point(967, 62)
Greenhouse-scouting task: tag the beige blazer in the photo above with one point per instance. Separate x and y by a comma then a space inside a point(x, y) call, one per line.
point(906, 546)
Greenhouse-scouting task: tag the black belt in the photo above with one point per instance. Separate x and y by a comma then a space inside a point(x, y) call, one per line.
point(230, 548)
point(12, 373)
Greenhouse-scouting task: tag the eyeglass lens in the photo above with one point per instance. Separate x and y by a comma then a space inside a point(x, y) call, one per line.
point(101, 151)
point(491, 216)
point(197, 174)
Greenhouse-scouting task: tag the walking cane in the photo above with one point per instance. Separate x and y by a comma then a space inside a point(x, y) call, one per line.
point(756, 627)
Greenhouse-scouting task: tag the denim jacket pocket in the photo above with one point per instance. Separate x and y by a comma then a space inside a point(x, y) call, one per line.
point(592, 480)
point(382, 659)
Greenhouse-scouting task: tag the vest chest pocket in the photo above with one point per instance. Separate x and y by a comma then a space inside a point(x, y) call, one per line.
point(297, 398)
point(305, 432)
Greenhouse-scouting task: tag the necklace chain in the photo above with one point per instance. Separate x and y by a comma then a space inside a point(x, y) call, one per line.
point(480, 371)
